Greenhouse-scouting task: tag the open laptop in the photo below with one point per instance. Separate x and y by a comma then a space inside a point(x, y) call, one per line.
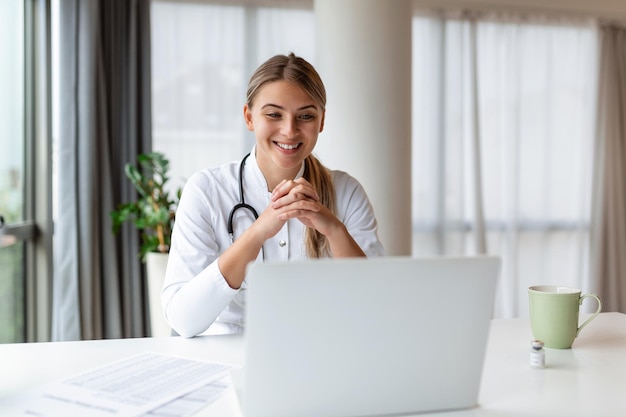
point(366, 337)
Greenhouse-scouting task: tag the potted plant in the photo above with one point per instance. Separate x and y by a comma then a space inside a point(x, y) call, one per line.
point(153, 213)
point(154, 210)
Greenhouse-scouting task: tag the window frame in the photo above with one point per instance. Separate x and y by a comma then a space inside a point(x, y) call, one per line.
point(36, 230)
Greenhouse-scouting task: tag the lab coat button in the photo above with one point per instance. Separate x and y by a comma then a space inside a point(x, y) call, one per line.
point(282, 243)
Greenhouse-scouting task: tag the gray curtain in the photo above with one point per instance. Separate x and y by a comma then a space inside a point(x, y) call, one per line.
point(609, 211)
point(104, 112)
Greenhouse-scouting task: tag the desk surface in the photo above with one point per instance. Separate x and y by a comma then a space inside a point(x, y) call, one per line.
point(589, 379)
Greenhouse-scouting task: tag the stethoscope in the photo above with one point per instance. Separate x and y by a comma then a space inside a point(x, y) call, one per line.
point(242, 202)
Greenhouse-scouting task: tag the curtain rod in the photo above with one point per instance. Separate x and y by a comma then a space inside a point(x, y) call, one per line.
point(606, 9)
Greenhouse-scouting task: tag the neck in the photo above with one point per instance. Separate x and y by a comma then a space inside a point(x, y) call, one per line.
point(273, 173)
point(274, 177)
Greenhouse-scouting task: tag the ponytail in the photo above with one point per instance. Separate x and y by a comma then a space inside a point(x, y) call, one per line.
point(316, 244)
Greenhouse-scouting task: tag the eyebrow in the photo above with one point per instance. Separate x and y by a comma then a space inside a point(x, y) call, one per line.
point(308, 106)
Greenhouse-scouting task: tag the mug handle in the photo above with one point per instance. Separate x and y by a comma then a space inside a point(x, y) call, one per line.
point(580, 302)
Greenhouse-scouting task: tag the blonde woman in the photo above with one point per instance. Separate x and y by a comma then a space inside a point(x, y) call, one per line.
point(279, 203)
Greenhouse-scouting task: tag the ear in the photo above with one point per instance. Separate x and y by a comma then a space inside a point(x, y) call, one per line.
point(323, 119)
point(247, 115)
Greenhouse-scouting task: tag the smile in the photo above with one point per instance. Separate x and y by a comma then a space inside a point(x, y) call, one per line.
point(287, 146)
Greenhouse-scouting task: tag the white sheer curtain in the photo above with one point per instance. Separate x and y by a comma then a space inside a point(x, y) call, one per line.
point(202, 57)
point(520, 136)
point(509, 145)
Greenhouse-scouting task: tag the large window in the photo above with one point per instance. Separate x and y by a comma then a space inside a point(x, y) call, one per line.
point(534, 109)
point(202, 56)
point(503, 123)
point(25, 226)
point(533, 102)
point(12, 144)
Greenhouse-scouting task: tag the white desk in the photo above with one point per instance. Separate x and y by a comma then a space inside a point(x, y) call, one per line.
point(587, 380)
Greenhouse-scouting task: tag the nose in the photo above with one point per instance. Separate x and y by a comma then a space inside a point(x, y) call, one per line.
point(289, 127)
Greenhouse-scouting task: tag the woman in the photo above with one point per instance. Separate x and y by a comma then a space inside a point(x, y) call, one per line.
point(305, 210)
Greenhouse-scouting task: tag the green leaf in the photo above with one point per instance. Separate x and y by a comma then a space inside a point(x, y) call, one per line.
point(154, 207)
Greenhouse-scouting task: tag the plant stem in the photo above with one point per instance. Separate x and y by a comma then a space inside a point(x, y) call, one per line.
point(159, 228)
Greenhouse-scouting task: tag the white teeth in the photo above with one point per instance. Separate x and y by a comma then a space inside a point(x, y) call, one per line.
point(287, 147)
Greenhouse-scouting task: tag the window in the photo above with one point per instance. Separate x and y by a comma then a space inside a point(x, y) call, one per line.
point(202, 57)
point(23, 174)
point(12, 143)
point(534, 106)
point(535, 100)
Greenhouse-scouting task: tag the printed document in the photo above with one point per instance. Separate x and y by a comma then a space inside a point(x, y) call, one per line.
point(149, 384)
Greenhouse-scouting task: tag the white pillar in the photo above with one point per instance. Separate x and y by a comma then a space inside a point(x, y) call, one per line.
point(364, 58)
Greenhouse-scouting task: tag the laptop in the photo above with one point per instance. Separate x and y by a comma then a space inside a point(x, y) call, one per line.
point(366, 337)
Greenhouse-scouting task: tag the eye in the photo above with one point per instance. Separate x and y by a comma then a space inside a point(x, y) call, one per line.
point(273, 115)
point(307, 117)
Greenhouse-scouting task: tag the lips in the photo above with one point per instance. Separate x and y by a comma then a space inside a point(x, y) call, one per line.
point(288, 146)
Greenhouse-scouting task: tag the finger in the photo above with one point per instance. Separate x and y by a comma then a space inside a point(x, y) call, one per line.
point(304, 188)
point(281, 189)
point(301, 208)
point(291, 192)
point(299, 185)
point(294, 200)
point(302, 181)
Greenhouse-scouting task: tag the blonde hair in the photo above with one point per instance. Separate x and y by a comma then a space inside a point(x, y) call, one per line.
point(298, 71)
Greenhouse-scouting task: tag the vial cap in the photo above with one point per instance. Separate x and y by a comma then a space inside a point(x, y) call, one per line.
point(536, 344)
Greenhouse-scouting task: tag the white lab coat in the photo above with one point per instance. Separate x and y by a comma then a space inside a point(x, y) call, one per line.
point(200, 236)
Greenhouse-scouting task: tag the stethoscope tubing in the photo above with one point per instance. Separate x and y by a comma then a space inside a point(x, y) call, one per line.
point(242, 202)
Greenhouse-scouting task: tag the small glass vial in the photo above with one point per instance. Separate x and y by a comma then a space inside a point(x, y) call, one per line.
point(537, 354)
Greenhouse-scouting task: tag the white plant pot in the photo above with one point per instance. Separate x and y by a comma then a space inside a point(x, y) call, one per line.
point(155, 270)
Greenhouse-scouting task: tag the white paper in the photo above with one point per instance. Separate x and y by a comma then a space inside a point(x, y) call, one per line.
point(149, 384)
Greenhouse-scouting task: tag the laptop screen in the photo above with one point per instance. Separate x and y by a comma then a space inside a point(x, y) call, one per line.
point(363, 337)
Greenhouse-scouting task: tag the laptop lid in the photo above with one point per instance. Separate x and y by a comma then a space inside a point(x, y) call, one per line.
point(364, 337)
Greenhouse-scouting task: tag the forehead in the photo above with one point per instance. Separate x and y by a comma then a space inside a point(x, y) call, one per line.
point(283, 93)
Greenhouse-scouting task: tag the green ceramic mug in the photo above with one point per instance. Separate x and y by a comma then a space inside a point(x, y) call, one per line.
point(554, 314)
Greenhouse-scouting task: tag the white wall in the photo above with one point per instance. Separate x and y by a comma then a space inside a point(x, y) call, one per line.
point(365, 62)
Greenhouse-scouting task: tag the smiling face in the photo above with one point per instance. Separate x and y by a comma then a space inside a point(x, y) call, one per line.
point(286, 122)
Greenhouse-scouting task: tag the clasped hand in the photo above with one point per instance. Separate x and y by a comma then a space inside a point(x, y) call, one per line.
point(297, 199)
